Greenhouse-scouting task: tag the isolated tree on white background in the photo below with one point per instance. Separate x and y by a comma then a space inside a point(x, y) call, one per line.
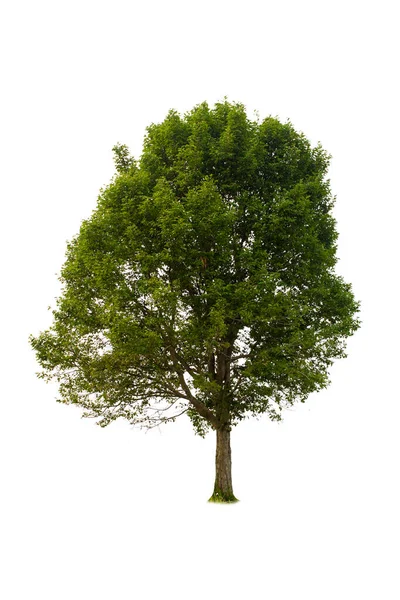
point(203, 283)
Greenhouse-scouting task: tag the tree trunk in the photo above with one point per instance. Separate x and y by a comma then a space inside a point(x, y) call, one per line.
point(223, 491)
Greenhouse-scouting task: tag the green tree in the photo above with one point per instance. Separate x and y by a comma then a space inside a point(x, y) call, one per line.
point(204, 282)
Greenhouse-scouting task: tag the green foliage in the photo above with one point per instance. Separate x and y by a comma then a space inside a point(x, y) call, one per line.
point(122, 159)
point(204, 280)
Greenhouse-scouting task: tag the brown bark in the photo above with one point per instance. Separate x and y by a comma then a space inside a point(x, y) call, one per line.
point(223, 491)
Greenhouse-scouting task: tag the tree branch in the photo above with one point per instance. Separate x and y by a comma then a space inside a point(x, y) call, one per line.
point(198, 405)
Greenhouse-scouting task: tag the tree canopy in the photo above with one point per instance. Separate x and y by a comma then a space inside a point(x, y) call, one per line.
point(204, 281)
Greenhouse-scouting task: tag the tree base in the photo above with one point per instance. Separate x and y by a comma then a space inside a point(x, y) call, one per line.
point(223, 498)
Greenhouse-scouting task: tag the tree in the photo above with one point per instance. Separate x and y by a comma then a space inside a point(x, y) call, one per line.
point(203, 283)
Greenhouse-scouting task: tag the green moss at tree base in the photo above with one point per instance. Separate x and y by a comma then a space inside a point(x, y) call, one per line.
point(223, 498)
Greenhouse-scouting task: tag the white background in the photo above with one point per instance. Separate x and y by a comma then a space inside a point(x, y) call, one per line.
point(88, 513)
